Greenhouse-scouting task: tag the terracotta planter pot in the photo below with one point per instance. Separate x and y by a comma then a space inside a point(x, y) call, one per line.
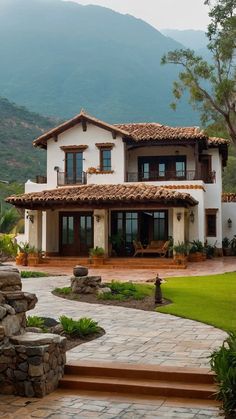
point(180, 259)
point(227, 251)
point(21, 259)
point(197, 257)
point(33, 260)
point(98, 260)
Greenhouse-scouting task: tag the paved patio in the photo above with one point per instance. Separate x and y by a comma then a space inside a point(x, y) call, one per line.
point(208, 267)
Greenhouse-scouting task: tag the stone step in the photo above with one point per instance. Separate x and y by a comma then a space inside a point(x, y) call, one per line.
point(140, 380)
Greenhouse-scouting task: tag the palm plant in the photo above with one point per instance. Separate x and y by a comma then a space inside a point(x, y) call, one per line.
point(8, 220)
point(223, 363)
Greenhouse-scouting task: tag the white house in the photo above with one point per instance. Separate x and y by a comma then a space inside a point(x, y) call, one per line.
point(143, 181)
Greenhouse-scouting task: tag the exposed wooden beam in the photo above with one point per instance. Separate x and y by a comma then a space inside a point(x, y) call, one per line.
point(84, 124)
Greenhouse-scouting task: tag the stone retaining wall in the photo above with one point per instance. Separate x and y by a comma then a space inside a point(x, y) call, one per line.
point(31, 364)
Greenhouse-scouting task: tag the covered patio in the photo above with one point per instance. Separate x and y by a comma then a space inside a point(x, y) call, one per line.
point(69, 221)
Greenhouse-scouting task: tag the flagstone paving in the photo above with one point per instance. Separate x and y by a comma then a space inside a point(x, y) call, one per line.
point(132, 336)
point(64, 405)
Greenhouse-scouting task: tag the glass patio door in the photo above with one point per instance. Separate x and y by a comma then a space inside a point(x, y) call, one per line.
point(76, 234)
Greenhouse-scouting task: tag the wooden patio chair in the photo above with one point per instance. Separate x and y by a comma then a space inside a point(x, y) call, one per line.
point(158, 247)
point(138, 248)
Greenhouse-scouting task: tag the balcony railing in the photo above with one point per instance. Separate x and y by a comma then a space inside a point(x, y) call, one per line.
point(154, 176)
point(63, 179)
point(41, 179)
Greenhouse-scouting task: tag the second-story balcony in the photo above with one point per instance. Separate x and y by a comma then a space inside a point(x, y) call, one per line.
point(182, 175)
point(64, 179)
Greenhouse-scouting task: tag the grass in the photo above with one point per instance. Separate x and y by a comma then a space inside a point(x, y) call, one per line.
point(63, 291)
point(32, 274)
point(122, 291)
point(208, 299)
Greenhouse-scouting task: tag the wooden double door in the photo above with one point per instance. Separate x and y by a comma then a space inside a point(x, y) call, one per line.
point(76, 233)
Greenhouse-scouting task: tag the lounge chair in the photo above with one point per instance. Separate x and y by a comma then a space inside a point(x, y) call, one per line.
point(156, 247)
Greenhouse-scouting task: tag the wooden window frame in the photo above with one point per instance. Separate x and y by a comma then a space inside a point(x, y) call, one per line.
point(102, 169)
point(211, 212)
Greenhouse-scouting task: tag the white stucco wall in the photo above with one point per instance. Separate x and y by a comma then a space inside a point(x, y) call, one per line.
point(76, 136)
point(228, 211)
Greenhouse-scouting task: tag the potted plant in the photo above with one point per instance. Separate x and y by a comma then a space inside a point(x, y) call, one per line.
point(22, 256)
point(180, 252)
point(97, 255)
point(233, 245)
point(223, 364)
point(226, 247)
point(116, 242)
point(33, 256)
point(196, 251)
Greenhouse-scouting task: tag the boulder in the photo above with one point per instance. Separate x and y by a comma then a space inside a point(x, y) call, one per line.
point(80, 270)
point(10, 279)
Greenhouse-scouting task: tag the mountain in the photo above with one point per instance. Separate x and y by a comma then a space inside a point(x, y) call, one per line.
point(193, 39)
point(60, 56)
point(19, 161)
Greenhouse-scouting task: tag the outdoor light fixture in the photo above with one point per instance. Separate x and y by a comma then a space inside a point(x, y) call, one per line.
point(56, 168)
point(191, 216)
point(30, 217)
point(229, 222)
point(179, 216)
point(97, 218)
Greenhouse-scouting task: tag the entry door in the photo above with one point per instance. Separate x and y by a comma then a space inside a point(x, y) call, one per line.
point(76, 234)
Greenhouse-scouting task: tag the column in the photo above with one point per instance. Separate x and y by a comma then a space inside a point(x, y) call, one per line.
point(35, 228)
point(101, 229)
point(178, 225)
point(52, 233)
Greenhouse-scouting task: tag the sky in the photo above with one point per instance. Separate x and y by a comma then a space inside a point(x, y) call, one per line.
point(162, 14)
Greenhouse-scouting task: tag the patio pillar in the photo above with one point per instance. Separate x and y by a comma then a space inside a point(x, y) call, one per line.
point(101, 229)
point(52, 233)
point(35, 228)
point(178, 225)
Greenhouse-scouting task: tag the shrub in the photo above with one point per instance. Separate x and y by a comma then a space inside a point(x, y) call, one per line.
point(196, 246)
point(79, 328)
point(8, 247)
point(64, 290)
point(223, 363)
point(32, 274)
point(121, 291)
point(181, 248)
point(35, 321)
point(96, 251)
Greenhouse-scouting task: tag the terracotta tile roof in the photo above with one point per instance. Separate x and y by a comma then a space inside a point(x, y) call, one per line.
point(102, 194)
point(215, 141)
point(155, 131)
point(192, 186)
point(229, 197)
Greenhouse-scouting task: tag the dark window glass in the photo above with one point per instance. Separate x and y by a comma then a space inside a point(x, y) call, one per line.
point(74, 167)
point(180, 168)
point(67, 230)
point(211, 225)
point(159, 226)
point(106, 160)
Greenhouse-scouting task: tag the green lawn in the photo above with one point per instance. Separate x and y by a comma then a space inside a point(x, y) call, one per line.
point(209, 299)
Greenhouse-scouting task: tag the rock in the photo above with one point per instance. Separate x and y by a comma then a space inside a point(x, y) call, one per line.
point(33, 329)
point(29, 390)
point(35, 360)
point(80, 271)
point(103, 290)
point(35, 370)
point(10, 279)
point(10, 309)
point(20, 375)
point(12, 324)
point(23, 366)
point(85, 284)
point(58, 329)
point(2, 298)
point(3, 312)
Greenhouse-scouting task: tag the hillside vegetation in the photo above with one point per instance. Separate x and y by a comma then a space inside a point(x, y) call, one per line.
point(19, 161)
point(70, 56)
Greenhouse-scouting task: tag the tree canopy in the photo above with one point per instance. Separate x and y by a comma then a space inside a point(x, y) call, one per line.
point(211, 85)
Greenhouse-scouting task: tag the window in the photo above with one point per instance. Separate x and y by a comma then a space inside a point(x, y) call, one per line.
point(159, 225)
point(211, 223)
point(105, 159)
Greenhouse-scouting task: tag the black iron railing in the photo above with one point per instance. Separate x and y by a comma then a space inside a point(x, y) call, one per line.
point(170, 175)
point(63, 179)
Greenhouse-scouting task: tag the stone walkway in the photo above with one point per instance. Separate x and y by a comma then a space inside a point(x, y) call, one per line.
point(65, 405)
point(132, 336)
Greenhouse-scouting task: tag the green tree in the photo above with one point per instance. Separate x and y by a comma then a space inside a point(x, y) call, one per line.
point(211, 85)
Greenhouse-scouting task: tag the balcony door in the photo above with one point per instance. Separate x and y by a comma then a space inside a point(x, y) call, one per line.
point(76, 233)
point(162, 168)
point(73, 168)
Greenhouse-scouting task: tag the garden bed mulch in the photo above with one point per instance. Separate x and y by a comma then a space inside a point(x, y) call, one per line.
point(147, 304)
point(71, 342)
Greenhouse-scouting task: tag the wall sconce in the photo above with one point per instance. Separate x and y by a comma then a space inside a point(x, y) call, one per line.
point(229, 223)
point(97, 218)
point(191, 217)
point(30, 217)
point(179, 216)
point(56, 168)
